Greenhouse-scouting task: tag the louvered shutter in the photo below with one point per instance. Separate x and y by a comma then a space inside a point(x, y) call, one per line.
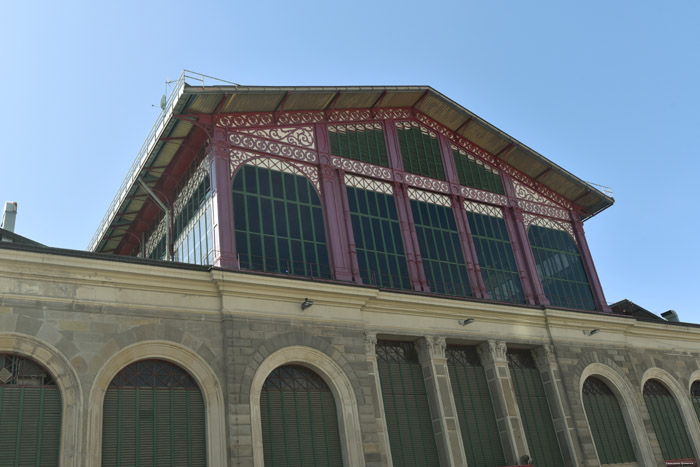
point(667, 421)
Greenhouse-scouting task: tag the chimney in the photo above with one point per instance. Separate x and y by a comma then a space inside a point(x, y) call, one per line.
point(670, 315)
point(8, 216)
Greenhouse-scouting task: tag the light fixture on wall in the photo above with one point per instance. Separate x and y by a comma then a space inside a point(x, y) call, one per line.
point(464, 322)
point(306, 304)
point(591, 332)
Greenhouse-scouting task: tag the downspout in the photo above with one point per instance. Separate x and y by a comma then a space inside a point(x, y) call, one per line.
point(165, 209)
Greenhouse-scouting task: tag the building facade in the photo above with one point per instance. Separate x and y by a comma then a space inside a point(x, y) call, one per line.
point(336, 276)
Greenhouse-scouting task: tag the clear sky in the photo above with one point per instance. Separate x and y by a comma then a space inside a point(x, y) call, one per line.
point(609, 90)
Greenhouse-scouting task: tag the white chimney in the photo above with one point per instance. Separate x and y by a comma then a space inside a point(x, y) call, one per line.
point(8, 216)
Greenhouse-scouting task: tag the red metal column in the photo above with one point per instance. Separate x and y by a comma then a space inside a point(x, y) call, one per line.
point(332, 196)
point(523, 255)
point(410, 244)
point(588, 265)
point(222, 201)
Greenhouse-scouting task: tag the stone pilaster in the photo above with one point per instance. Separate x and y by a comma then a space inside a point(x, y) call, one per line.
point(431, 352)
point(379, 413)
point(558, 405)
point(510, 424)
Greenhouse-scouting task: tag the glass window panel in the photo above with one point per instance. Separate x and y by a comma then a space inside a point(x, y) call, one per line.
point(421, 153)
point(359, 143)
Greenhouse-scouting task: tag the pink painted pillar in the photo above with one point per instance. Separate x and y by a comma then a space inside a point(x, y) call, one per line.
point(352, 249)
point(519, 255)
point(222, 201)
point(588, 265)
point(415, 265)
point(476, 281)
point(518, 236)
point(332, 194)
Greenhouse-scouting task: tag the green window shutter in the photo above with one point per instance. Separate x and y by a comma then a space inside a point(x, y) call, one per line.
point(279, 223)
point(477, 419)
point(299, 420)
point(534, 409)
point(420, 150)
point(495, 254)
point(378, 239)
point(695, 397)
point(362, 142)
point(153, 415)
point(30, 414)
point(560, 268)
point(473, 173)
point(667, 421)
point(409, 422)
point(440, 248)
point(607, 423)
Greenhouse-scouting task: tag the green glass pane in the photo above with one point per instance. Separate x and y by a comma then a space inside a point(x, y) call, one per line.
point(286, 209)
point(420, 153)
point(496, 259)
point(560, 268)
point(476, 175)
point(377, 234)
point(441, 250)
point(360, 143)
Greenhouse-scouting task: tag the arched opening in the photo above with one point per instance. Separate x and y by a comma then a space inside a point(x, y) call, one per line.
point(153, 415)
point(299, 419)
point(30, 413)
point(695, 397)
point(667, 421)
point(607, 423)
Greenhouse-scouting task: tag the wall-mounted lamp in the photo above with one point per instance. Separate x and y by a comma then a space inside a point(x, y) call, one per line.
point(591, 332)
point(464, 322)
point(306, 304)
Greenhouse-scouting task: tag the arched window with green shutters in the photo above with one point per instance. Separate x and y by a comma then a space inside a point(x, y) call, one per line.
point(30, 414)
point(534, 409)
point(477, 419)
point(299, 420)
point(667, 421)
point(695, 397)
point(607, 423)
point(408, 418)
point(153, 415)
point(560, 268)
point(279, 222)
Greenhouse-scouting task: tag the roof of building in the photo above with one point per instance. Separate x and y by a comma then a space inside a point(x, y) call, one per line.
point(189, 103)
point(629, 308)
point(11, 237)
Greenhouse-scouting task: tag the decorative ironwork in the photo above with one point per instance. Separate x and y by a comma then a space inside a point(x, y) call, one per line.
point(21, 371)
point(595, 386)
point(410, 124)
point(349, 115)
point(368, 184)
point(153, 374)
point(186, 193)
point(362, 168)
point(655, 388)
point(427, 183)
point(397, 352)
point(532, 219)
point(485, 209)
point(294, 378)
point(386, 114)
point(155, 238)
point(239, 158)
point(528, 194)
point(245, 120)
point(300, 118)
point(355, 127)
point(287, 145)
point(488, 167)
point(429, 197)
point(462, 356)
point(483, 196)
point(521, 359)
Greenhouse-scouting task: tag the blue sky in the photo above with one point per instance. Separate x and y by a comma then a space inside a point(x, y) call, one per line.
point(608, 90)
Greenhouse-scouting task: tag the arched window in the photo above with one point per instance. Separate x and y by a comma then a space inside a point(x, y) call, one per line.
point(607, 423)
point(667, 422)
point(299, 419)
point(153, 415)
point(279, 223)
point(30, 413)
point(695, 397)
point(560, 268)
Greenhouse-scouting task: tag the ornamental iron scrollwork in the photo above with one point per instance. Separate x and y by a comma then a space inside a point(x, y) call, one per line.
point(483, 196)
point(429, 197)
point(294, 378)
point(655, 388)
point(596, 387)
point(155, 237)
point(362, 168)
point(349, 115)
point(264, 141)
point(386, 114)
point(531, 219)
point(239, 158)
point(426, 183)
point(245, 120)
point(186, 193)
point(521, 359)
point(484, 209)
point(397, 352)
point(301, 136)
point(20, 371)
point(462, 355)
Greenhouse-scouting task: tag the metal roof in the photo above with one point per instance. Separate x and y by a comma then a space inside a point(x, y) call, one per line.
point(169, 132)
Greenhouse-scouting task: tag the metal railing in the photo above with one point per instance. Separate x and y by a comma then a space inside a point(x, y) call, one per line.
point(147, 146)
